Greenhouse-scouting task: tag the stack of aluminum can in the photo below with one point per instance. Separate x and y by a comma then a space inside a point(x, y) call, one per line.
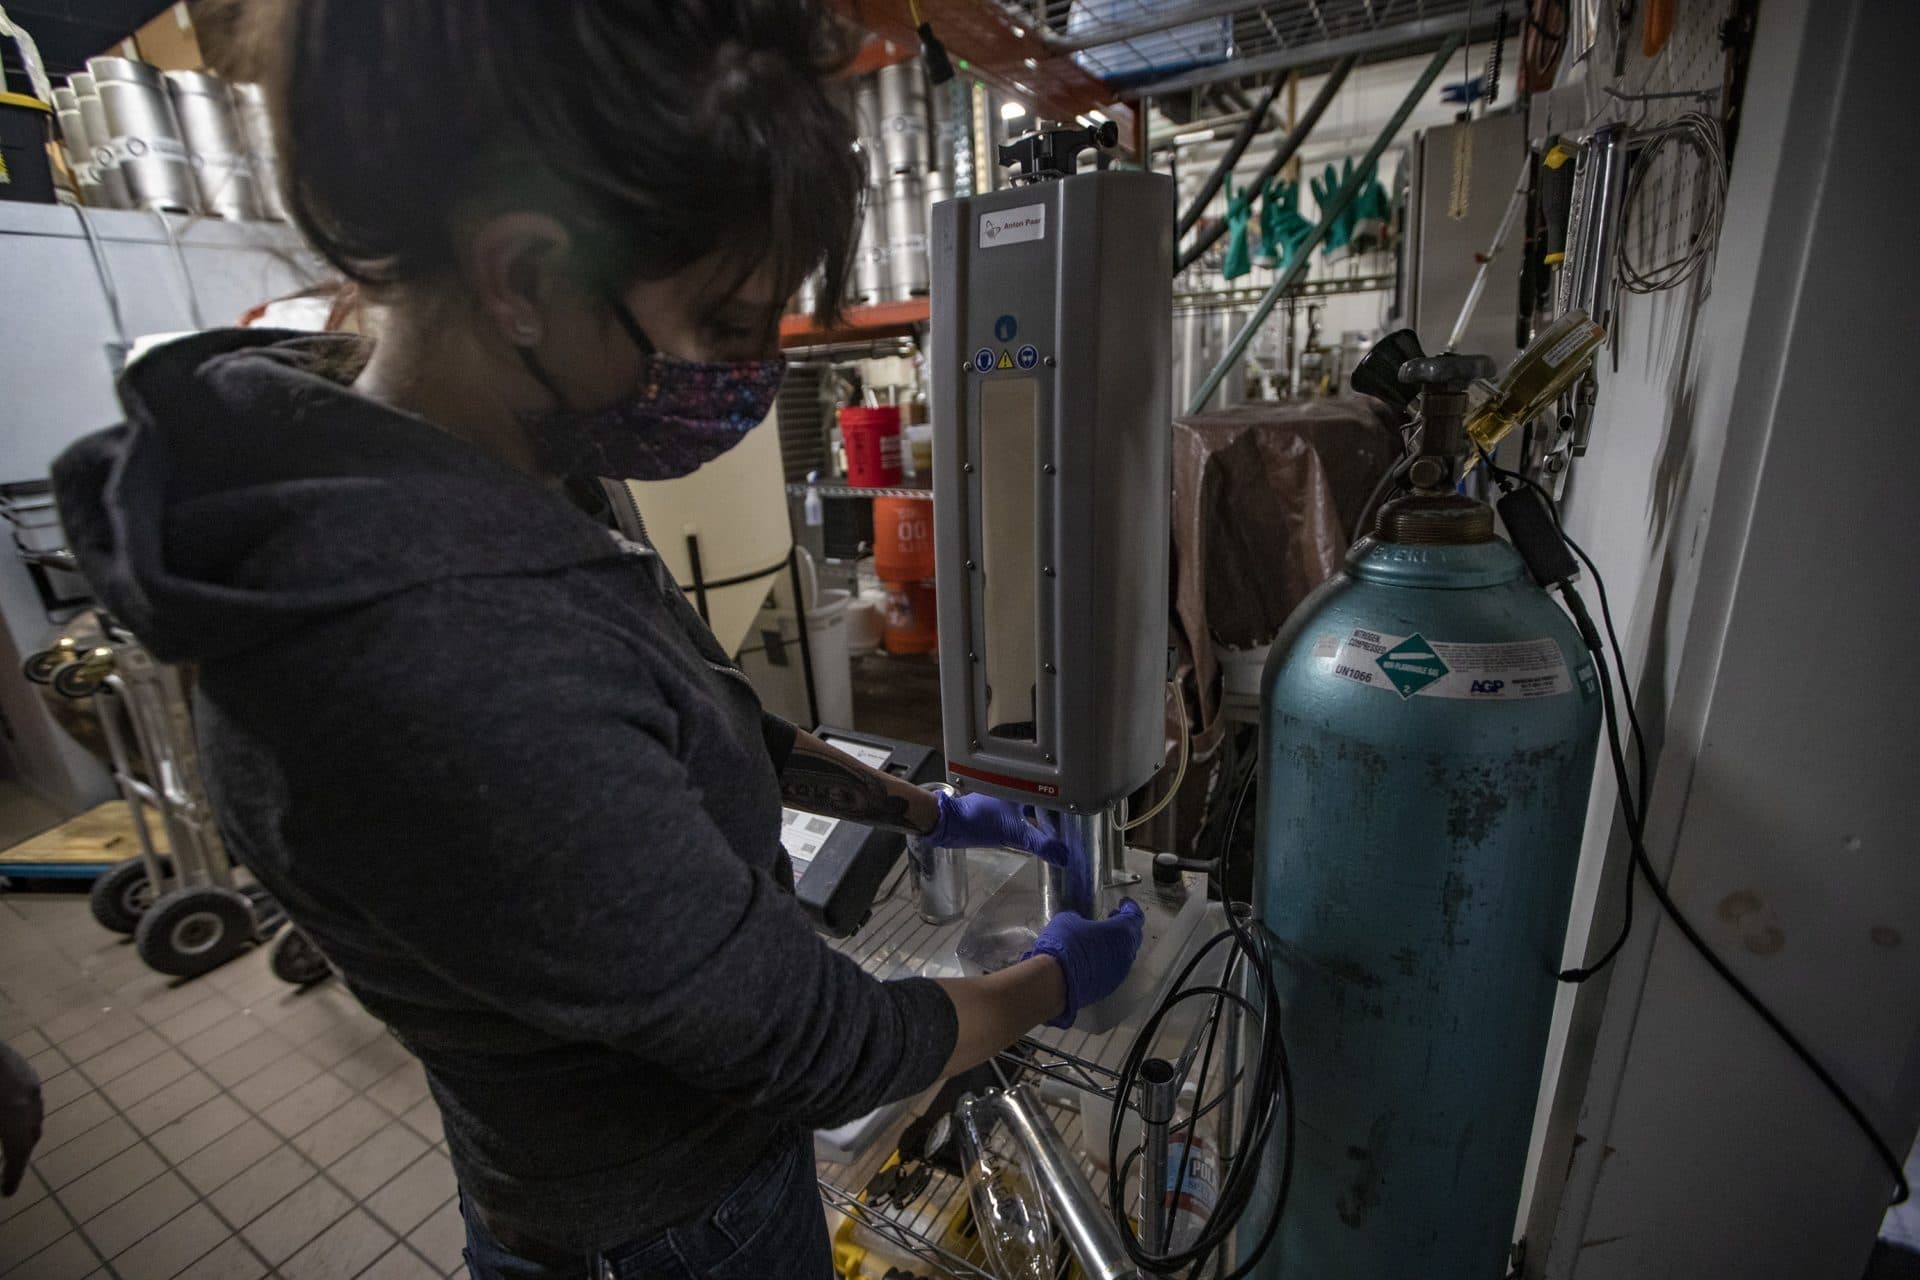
point(173, 142)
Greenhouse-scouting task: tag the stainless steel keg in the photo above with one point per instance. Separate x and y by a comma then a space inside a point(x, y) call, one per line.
point(256, 127)
point(938, 187)
point(866, 122)
point(871, 274)
point(73, 136)
point(144, 140)
point(906, 238)
point(903, 117)
point(93, 118)
point(212, 133)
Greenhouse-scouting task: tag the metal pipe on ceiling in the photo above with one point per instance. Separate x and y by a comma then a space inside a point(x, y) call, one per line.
point(1402, 36)
point(1163, 20)
point(1241, 140)
point(1303, 256)
point(1295, 136)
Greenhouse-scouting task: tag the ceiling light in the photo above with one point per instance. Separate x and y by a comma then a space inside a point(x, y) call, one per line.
point(1012, 111)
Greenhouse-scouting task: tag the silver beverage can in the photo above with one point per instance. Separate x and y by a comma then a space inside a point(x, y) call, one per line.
point(939, 875)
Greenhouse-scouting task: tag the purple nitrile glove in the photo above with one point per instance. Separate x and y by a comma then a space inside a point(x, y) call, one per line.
point(983, 822)
point(1095, 955)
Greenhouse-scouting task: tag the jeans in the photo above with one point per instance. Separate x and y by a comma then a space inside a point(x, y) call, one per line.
point(769, 1227)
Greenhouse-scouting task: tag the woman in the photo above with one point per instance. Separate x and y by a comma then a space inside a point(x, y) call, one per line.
point(478, 746)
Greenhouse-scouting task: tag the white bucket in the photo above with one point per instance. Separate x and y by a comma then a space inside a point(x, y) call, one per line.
point(832, 670)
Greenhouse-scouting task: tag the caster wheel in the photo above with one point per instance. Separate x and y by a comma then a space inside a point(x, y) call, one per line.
point(39, 667)
point(121, 896)
point(193, 931)
point(80, 679)
point(297, 961)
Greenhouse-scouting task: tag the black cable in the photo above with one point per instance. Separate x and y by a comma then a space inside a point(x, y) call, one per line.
point(1211, 187)
point(1639, 859)
point(1210, 235)
point(1270, 1094)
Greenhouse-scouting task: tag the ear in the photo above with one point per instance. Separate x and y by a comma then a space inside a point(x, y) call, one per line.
point(512, 264)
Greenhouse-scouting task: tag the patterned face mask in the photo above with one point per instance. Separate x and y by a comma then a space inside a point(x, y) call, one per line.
point(685, 414)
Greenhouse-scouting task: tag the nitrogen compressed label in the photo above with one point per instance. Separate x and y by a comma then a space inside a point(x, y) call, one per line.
point(1415, 666)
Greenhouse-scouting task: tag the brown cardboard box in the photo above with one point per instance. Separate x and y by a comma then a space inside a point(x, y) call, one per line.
point(169, 42)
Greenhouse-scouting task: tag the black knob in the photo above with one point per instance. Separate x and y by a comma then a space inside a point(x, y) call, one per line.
point(1378, 373)
point(1055, 153)
point(1448, 371)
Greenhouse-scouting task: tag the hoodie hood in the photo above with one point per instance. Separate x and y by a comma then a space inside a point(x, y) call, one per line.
point(251, 491)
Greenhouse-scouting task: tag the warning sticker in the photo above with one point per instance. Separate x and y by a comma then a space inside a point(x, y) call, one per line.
point(1413, 665)
point(1006, 359)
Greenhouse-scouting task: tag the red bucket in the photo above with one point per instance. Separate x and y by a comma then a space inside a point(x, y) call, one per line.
point(872, 439)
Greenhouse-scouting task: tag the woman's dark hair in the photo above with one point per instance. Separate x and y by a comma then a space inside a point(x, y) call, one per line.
point(660, 131)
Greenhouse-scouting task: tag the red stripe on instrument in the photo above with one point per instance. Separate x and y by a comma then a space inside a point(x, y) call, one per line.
point(1002, 780)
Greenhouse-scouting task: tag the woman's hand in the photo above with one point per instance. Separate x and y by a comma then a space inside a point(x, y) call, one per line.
point(1095, 955)
point(982, 822)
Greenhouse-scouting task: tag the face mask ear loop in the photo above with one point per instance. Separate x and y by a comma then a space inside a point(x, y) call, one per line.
point(632, 326)
point(533, 367)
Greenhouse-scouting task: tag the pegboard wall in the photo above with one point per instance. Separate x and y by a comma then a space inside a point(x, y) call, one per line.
point(1688, 74)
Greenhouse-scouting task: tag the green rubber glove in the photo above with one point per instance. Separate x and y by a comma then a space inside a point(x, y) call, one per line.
point(1325, 188)
point(1281, 227)
point(1239, 258)
point(1372, 213)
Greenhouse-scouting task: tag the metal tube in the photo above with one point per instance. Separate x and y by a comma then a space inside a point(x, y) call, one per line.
point(1514, 204)
point(1163, 20)
point(1410, 36)
point(1241, 140)
point(1351, 188)
point(1090, 1231)
point(1096, 864)
point(1159, 1091)
point(1296, 136)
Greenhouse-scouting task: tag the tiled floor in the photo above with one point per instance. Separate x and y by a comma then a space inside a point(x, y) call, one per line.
point(225, 1128)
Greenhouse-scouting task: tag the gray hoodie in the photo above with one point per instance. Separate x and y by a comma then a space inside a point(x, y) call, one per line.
point(489, 759)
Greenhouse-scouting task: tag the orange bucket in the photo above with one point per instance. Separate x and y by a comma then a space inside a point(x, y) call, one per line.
point(912, 626)
point(903, 539)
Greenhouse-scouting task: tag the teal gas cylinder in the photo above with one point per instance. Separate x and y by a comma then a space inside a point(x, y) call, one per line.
point(1429, 720)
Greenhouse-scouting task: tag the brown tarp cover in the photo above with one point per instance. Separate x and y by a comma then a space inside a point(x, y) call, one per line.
point(1265, 499)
